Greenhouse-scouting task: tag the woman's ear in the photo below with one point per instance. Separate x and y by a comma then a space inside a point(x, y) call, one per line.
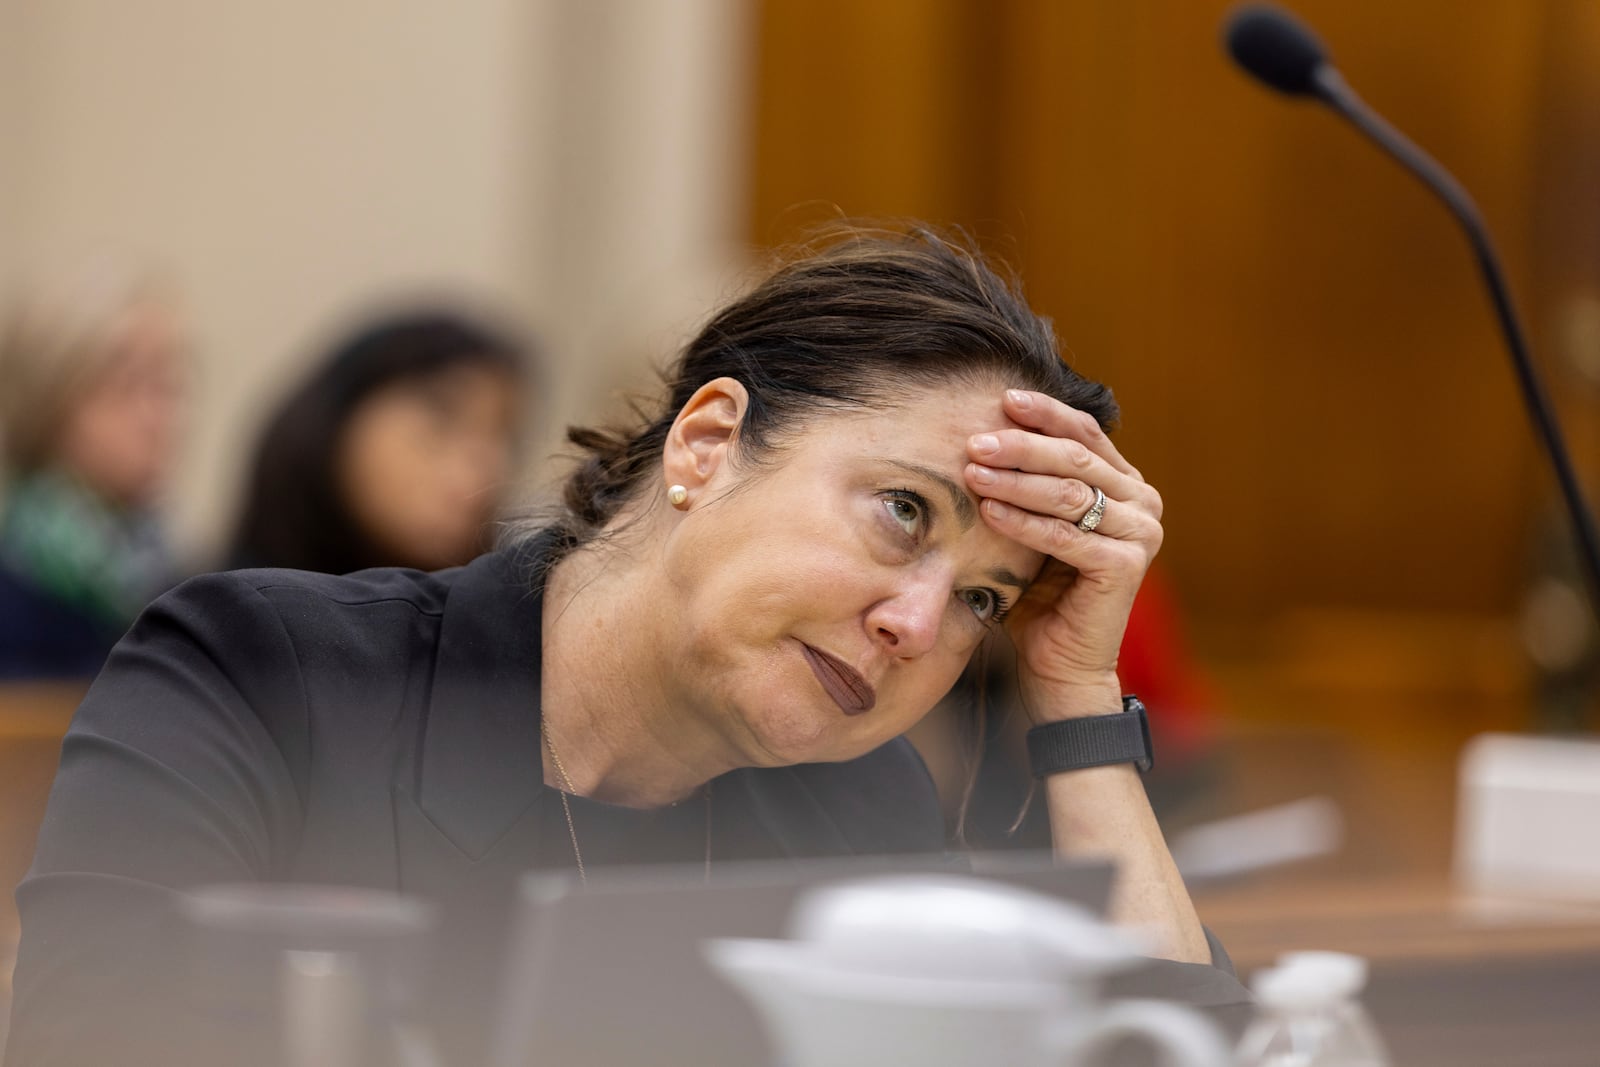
point(700, 443)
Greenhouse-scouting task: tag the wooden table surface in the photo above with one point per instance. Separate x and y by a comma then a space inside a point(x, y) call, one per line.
point(1456, 979)
point(1393, 920)
point(33, 717)
point(38, 709)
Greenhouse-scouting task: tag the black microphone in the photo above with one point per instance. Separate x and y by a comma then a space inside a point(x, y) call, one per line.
point(1278, 50)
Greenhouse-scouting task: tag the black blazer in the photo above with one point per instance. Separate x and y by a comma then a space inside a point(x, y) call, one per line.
point(380, 730)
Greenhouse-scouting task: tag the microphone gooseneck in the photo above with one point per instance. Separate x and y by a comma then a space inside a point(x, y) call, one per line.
point(1278, 50)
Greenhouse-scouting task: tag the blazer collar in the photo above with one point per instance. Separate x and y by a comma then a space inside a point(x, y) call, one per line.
point(480, 765)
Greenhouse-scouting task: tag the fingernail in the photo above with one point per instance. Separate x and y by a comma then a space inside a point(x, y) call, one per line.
point(1019, 398)
point(986, 442)
point(997, 509)
point(984, 475)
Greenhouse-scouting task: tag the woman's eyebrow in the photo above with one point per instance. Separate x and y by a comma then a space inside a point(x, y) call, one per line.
point(965, 508)
point(966, 514)
point(1005, 576)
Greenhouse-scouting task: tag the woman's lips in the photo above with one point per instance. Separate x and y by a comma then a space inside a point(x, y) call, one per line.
point(848, 689)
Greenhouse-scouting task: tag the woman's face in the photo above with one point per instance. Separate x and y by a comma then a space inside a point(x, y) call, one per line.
point(832, 596)
point(423, 463)
point(119, 433)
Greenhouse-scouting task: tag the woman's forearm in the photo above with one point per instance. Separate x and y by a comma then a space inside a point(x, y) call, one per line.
point(1103, 812)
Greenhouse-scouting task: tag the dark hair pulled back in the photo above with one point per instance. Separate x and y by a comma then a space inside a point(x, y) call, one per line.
point(851, 318)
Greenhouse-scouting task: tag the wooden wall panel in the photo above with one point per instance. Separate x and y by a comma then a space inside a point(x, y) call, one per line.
point(1567, 225)
point(1306, 362)
point(865, 108)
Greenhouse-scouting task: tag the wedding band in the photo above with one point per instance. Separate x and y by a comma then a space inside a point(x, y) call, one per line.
point(1096, 512)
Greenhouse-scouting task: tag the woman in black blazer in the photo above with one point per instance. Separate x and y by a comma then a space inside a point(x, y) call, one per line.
point(864, 469)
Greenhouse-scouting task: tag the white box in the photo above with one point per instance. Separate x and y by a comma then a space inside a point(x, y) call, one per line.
point(1529, 817)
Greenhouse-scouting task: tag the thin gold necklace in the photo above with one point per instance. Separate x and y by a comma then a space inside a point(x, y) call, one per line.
point(572, 828)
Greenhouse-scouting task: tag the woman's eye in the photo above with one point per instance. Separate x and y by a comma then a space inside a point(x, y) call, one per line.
point(907, 512)
point(983, 602)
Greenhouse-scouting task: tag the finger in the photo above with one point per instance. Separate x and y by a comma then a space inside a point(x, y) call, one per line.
point(1091, 553)
point(1035, 453)
point(1045, 413)
point(1061, 498)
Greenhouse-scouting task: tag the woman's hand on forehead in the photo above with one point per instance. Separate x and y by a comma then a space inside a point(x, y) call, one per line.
point(1036, 483)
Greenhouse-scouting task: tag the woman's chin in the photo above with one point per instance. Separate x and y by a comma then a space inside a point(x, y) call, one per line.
point(801, 735)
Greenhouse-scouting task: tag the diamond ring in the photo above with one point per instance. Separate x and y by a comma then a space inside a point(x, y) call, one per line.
point(1096, 512)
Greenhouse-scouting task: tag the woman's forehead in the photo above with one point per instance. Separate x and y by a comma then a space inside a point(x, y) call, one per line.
point(926, 424)
point(953, 410)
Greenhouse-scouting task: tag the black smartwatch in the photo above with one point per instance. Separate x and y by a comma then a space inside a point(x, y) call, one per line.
point(1075, 744)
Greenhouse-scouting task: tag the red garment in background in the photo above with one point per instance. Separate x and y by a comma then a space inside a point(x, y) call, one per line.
point(1157, 664)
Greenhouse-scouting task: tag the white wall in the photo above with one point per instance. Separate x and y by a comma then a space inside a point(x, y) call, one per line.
point(577, 162)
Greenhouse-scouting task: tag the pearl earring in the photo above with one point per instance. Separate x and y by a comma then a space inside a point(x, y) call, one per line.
point(677, 496)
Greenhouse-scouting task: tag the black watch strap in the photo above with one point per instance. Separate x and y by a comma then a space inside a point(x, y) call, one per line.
point(1074, 744)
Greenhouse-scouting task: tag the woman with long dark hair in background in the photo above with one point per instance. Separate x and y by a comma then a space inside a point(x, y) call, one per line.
point(395, 452)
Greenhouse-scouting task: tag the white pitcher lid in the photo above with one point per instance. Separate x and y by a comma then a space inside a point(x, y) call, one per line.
point(959, 927)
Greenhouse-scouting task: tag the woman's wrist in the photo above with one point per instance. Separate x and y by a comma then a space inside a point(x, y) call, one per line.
point(1047, 702)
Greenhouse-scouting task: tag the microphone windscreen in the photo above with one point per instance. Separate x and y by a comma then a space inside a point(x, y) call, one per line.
point(1275, 47)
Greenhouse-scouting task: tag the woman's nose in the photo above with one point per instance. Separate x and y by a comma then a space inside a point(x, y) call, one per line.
point(907, 622)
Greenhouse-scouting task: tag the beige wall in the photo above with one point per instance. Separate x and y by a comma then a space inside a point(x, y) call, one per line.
point(636, 183)
point(10, 112)
point(291, 162)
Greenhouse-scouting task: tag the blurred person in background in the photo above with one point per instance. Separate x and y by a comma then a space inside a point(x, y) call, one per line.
point(395, 452)
point(92, 373)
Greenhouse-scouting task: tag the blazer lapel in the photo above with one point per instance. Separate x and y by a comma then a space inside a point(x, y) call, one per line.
point(469, 805)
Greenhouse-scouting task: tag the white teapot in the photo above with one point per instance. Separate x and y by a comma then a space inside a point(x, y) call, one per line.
point(950, 971)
